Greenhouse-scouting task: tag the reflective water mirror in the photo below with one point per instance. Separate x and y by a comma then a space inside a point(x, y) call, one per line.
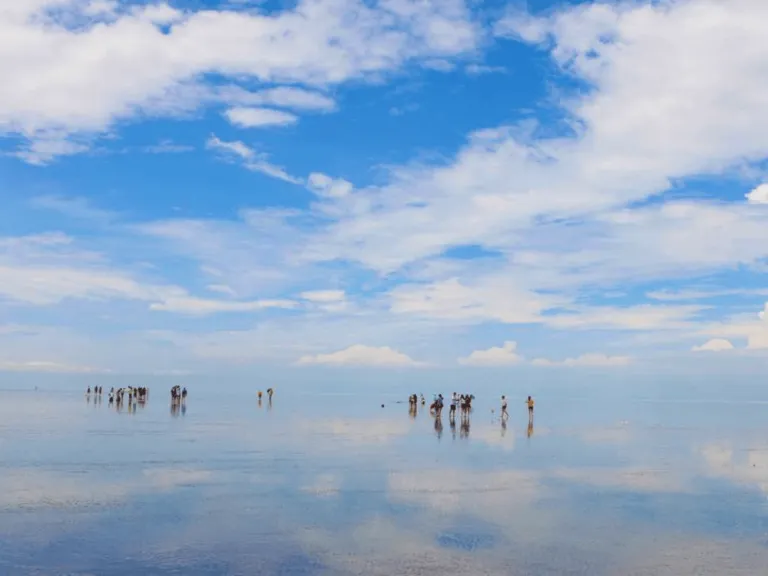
point(330, 482)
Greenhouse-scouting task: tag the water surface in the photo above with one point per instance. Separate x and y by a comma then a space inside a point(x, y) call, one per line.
point(606, 482)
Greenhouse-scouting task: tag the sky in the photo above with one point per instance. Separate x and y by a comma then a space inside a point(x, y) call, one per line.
point(203, 186)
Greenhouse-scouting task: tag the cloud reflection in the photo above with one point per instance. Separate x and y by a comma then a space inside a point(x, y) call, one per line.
point(36, 488)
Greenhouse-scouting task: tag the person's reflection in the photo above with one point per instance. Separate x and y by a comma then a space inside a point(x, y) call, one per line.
point(439, 427)
point(530, 428)
point(269, 403)
point(183, 408)
point(412, 411)
point(259, 399)
point(464, 430)
point(452, 422)
point(175, 406)
point(503, 427)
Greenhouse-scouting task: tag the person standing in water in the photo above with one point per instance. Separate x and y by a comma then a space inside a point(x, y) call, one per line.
point(504, 413)
point(530, 408)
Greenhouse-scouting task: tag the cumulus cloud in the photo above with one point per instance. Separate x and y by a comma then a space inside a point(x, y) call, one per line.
point(505, 355)
point(714, 345)
point(260, 117)
point(327, 187)
point(754, 329)
point(360, 355)
point(535, 199)
point(585, 360)
point(557, 220)
point(315, 43)
point(759, 195)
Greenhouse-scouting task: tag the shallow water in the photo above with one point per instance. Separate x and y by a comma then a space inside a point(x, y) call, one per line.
point(606, 482)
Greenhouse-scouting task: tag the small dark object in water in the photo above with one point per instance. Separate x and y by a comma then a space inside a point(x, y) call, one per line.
point(382, 405)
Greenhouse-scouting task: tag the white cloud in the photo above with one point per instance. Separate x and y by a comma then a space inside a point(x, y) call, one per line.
point(202, 306)
point(251, 160)
point(49, 367)
point(258, 254)
point(327, 187)
point(360, 355)
point(595, 360)
point(48, 269)
point(260, 117)
point(222, 289)
point(46, 147)
point(324, 296)
point(505, 355)
point(759, 195)
point(79, 208)
point(667, 295)
point(236, 148)
point(640, 317)
point(714, 345)
point(479, 69)
point(167, 147)
point(317, 43)
point(535, 199)
point(754, 329)
point(281, 97)
point(501, 300)
point(47, 285)
point(550, 213)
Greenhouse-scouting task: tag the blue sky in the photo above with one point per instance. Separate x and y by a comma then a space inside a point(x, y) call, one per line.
point(204, 186)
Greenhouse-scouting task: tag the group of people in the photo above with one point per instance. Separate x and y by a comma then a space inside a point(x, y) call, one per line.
point(461, 402)
point(178, 394)
point(529, 402)
point(139, 394)
point(270, 391)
